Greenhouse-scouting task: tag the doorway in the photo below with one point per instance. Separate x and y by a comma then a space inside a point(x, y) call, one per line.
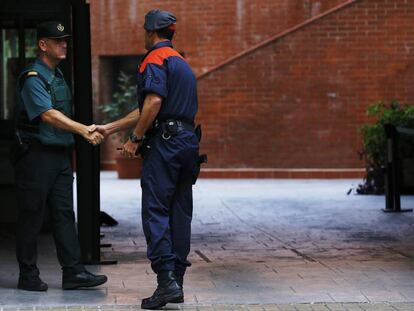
point(18, 21)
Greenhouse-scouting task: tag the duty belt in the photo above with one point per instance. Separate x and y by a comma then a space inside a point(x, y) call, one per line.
point(172, 127)
point(168, 128)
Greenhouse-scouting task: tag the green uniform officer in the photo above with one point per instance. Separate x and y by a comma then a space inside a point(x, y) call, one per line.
point(43, 172)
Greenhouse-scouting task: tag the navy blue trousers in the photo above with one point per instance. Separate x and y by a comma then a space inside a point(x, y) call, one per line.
point(167, 201)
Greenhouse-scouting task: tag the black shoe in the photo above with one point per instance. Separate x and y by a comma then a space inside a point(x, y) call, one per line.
point(180, 280)
point(82, 279)
point(167, 291)
point(31, 283)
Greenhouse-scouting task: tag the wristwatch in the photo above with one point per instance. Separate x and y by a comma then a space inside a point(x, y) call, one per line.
point(135, 139)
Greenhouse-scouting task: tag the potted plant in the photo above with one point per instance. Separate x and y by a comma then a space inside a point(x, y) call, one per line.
point(124, 100)
point(375, 145)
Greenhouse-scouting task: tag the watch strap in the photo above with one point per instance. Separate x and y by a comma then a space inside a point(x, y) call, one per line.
point(135, 139)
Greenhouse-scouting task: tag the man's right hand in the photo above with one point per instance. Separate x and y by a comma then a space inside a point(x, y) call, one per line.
point(102, 129)
point(91, 135)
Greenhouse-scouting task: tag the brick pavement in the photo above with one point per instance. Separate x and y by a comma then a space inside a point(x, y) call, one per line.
point(264, 244)
point(227, 307)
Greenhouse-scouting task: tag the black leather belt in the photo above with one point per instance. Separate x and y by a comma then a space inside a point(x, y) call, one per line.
point(172, 127)
point(181, 126)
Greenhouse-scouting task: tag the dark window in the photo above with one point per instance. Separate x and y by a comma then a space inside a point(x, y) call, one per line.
point(109, 70)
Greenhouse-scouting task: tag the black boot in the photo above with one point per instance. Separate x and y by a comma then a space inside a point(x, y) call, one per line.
point(180, 280)
point(31, 283)
point(82, 279)
point(167, 291)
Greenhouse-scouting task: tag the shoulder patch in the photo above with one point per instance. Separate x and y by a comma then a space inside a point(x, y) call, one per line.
point(158, 56)
point(31, 73)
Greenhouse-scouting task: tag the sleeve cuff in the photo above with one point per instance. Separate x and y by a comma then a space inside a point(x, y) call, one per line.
point(158, 91)
point(38, 113)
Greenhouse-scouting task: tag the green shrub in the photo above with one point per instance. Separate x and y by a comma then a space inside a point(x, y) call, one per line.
point(124, 100)
point(375, 143)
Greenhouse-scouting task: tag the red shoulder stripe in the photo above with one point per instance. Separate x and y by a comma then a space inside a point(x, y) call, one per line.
point(158, 56)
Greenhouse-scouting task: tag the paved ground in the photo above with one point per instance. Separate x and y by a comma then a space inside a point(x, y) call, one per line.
point(239, 307)
point(257, 245)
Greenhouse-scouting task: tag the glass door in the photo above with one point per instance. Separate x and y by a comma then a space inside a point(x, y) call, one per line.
point(11, 63)
point(17, 48)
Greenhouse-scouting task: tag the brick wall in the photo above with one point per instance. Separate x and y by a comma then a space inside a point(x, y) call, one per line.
point(299, 101)
point(296, 102)
point(209, 31)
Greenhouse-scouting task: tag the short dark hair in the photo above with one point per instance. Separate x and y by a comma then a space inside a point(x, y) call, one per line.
point(165, 33)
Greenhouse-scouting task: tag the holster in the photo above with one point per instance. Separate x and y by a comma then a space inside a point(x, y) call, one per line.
point(202, 158)
point(145, 146)
point(18, 149)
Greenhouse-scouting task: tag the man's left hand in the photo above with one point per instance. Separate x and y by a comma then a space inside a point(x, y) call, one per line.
point(129, 149)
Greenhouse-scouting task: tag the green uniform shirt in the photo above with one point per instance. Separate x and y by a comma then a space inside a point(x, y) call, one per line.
point(39, 95)
point(35, 95)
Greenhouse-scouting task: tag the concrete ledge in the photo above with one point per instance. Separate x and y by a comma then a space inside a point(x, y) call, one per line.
point(108, 166)
point(283, 173)
point(302, 173)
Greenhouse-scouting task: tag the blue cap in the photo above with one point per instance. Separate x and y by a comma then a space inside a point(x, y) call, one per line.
point(157, 19)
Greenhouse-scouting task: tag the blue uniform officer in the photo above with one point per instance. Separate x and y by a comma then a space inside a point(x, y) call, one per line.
point(167, 99)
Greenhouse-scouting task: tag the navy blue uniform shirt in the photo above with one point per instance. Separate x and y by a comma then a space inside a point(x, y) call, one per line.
point(165, 72)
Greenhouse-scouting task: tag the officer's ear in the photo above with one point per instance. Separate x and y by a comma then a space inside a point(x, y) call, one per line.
point(42, 44)
point(150, 33)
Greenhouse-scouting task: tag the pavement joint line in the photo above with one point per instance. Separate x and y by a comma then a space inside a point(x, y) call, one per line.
point(287, 244)
point(204, 257)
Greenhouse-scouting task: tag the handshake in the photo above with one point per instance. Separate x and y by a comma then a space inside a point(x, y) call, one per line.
point(93, 134)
